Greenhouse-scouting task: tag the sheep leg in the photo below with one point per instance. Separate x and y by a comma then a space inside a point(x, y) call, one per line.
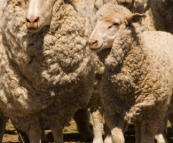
point(137, 132)
point(160, 137)
point(57, 132)
point(116, 124)
point(23, 137)
point(3, 121)
point(81, 117)
point(97, 117)
point(148, 131)
point(170, 117)
point(108, 138)
point(43, 135)
point(34, 133)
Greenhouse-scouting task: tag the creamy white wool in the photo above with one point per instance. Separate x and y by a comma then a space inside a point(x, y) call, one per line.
point(52, 70)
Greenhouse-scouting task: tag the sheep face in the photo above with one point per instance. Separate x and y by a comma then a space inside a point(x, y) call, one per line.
point(104, 34)
point(38, 14)
point(110, 19)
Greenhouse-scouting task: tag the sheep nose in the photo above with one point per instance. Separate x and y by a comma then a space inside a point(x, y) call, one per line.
point(32, 22)
point(32, 19)
point(93, 43)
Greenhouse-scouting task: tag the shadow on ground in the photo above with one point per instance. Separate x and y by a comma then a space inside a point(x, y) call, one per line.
point(129, 136)
point(72, 136)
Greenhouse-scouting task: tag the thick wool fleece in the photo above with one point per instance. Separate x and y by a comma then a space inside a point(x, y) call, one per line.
point(138, 78)
point(159, 15)
point(49, 73)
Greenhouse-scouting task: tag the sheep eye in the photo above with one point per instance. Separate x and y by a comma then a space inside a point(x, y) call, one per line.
point(115, 24)
point(110, 27)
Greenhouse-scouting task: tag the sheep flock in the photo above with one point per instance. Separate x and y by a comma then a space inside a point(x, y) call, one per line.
point(72, 59)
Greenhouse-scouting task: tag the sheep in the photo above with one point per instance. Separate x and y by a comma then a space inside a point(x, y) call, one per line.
point(87, 135)
point(45, 71)
point(133, 5)
point(95, 105)
point(3, 118)
point(138, 77)
point(159, 15)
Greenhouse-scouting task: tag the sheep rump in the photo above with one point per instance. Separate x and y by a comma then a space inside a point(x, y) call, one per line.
point(50, 73)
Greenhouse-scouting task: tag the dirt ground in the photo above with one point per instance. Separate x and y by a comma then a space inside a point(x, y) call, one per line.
point(71, 134)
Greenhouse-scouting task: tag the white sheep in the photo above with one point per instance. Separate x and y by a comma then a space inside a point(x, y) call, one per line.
point(138, 77)
point(49, 73)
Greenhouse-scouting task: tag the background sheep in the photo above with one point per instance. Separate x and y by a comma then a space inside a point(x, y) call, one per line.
point(133, 5)
point(45, 74)
point(159, 15)
point(134, 86)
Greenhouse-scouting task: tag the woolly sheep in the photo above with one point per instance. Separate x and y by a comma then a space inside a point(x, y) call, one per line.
point(138, 77)
point(95, 105)
point(159, 15)
point(34, 25)
point(3, 118)
point(48, 74)
point(133, 5)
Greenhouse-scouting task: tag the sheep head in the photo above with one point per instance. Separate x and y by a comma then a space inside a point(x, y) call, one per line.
point(38, 14)
point(110, 18)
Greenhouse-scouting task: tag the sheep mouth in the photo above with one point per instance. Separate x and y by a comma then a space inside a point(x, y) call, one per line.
point(33, 30)
point(97, 49)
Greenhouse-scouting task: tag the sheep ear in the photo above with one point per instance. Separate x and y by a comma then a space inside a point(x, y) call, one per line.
point(134, 17)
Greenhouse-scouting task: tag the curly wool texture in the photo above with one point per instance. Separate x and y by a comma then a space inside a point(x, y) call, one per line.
point(138, 78)
point(139, 84)
point(159, 15)
point(50, 72)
